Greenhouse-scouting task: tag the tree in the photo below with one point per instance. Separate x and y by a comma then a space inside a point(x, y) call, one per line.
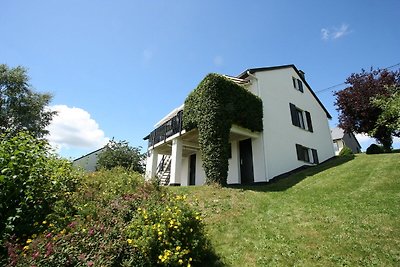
point(20, 107)
point(119, 153)
point(357, 113)
point(390, 116)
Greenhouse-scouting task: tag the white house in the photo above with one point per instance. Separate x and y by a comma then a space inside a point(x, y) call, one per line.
point(296, 133)
point(88, 162)
point(341, 139)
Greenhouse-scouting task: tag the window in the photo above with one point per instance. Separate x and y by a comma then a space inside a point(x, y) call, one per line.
point(306, 154)
point(336, 146)
point(298, 84)
point(300, 118)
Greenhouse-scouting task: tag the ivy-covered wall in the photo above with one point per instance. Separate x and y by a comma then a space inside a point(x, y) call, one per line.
point(212, 108)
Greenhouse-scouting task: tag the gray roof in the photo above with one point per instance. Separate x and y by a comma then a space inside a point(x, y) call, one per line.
point(337, 133)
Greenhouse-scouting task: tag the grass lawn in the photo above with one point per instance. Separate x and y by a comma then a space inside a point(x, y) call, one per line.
point(345, 212)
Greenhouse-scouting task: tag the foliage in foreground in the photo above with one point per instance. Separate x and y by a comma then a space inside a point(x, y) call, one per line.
point(120, 221)
point(33, 184)
point(21, 107)
point(120, 154)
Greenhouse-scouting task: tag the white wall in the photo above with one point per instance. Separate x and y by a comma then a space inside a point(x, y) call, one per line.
point(185, 171)
point(88, 162)
point(234, 171)
point(280, 135)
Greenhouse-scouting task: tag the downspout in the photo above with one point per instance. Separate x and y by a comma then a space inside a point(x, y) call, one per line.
point(262, 134)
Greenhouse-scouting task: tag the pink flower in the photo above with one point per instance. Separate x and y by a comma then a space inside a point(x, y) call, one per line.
point(90, 263)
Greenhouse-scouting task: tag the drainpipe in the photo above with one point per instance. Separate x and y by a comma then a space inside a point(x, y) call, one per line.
point(262, 135)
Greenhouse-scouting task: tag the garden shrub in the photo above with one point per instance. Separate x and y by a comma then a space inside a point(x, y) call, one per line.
point(374, 149)
point(346, 151)
point(118, 220)
point(33, 182)
point(212, 108)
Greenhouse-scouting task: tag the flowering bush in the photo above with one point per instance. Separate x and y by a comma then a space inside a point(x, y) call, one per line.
point(171, 234)
point(33, 184)
point(120, 220)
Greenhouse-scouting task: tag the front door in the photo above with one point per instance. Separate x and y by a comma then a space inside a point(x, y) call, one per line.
point(246, 162)
point(192, 169)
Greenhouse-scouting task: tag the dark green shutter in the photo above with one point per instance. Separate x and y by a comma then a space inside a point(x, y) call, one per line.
point(300, 84)
point(293, 113)
point(309, 123)
point(315, 156)
point(299, 151)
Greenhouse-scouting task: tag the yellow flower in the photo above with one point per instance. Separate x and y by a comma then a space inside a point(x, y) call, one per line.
point(159, 233)
point(130, 241)
point(189, 265)
point(25, 248)
point(44, 222)
point(51, 225)
point(178, 248)
point(63, 231)
point(34, 235)
point(29, 241)
point(180, 261)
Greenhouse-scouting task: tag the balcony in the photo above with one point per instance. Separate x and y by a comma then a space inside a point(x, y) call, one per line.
point(167, 129)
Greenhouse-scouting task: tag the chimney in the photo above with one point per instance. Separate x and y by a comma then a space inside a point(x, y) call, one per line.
point(302, 74)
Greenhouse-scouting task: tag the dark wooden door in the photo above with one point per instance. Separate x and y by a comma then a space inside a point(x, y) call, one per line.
point(192, 169)
point(246, 162)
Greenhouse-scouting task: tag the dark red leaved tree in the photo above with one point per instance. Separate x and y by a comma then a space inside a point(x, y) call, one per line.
point(356, 112)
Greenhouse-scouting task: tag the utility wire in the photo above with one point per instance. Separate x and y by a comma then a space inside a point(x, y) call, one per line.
point(340, 84)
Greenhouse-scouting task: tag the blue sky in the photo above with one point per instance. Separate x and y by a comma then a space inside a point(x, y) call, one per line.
point(117, 67)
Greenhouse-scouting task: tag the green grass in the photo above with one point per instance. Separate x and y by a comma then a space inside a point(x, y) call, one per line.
point(342, 213)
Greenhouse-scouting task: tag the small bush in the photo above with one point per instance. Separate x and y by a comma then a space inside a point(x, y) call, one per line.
point(374, 149)
point(346, 151)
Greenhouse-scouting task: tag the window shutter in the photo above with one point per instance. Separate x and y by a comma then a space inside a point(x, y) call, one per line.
point(299, 151)
point(315, 156)
point(293, 113)
point(300, 85)
point(309, 123)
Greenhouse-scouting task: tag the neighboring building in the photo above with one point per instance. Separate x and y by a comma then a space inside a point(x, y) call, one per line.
point(296, 133)
point(341, 139)
point(88, 162)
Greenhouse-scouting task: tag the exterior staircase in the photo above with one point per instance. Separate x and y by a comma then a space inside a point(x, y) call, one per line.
point(164, 170)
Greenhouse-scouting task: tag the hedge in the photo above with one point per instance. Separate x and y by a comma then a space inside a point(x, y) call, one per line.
point(212, 108)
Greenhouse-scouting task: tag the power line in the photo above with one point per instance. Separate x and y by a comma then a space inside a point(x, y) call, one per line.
point(340, 84)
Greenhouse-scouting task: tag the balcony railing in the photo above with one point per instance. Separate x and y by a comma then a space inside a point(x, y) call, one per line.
point(167, 129)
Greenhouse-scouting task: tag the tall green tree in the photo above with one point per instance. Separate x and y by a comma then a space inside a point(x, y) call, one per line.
point(20, 107)
point(358, 113)
point(120, 153)
point(390, 116)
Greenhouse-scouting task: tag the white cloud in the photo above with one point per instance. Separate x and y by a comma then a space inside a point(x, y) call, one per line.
point(342, 31)
point(218, 61)
point(74, 128)
point(324, 34)
point(334, 32)
point(365, 141)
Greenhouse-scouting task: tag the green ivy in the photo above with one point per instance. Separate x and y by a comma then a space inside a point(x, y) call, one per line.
point(212, 108)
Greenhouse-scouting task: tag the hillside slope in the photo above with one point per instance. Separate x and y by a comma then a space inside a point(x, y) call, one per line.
point(343, 212)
